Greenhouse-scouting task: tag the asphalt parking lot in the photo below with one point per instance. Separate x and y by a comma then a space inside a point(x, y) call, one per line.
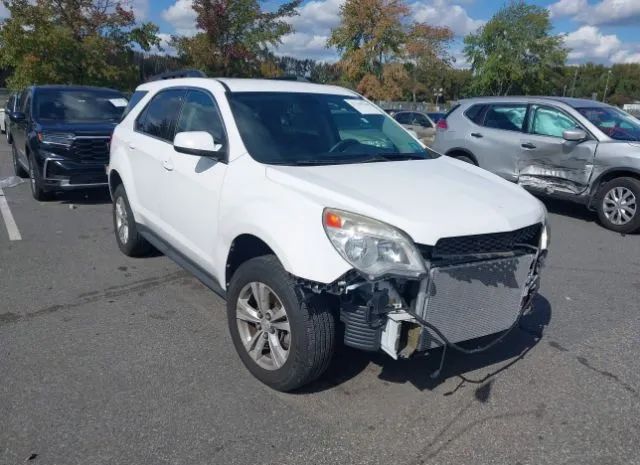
point(110, 360)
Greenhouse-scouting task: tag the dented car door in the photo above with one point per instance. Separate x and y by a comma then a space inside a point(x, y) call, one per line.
point(548, 161)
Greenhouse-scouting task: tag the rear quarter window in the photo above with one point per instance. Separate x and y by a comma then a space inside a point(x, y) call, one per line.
point(133, 101)
point(475, 113)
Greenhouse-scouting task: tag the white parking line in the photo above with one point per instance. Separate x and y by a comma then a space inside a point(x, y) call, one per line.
point(12, 227)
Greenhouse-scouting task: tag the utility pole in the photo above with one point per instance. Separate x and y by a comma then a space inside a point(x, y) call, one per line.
point(606, 87)
point(573, 86)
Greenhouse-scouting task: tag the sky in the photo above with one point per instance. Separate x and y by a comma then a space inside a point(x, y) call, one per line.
point(601, 31)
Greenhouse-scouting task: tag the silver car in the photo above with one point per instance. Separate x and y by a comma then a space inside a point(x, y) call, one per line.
point(416, 121)
point(575, 149)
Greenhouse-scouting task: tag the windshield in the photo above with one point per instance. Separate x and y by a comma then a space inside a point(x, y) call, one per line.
point(310, 128)
point(85, 105)
point(613, 122)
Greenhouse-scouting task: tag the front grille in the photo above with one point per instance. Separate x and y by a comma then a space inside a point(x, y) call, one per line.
point(91, 150)
point(486, 243)
point(472, 300)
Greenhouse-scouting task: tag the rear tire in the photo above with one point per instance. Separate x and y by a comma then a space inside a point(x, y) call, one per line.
point(617, 205)
point(309, 340)
point(129, 240)
point(38, 191)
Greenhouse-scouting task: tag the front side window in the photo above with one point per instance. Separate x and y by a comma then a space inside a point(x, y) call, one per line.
point(613, 122)
point(200, 113)
point(81, 105)
point(505, 117)
point(9, 106)
point(403, 118)
point(308, 128)
point(158, 119)
point(550, 122)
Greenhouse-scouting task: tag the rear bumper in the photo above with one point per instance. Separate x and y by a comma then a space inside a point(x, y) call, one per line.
point(64, 174)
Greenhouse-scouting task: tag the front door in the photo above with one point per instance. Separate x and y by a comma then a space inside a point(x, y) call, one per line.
point(192, 187)
point(547, 161)
point(150, 141)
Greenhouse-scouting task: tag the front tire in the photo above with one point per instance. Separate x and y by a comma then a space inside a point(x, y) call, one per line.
point(17, 167)
point(284, 340)
point(617, 205)
point(38, 191)
point(129, 240)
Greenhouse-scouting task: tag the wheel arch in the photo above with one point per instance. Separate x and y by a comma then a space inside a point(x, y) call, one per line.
point(243, 248)
point(459, 151)
point(114, 181)
point(607, 176)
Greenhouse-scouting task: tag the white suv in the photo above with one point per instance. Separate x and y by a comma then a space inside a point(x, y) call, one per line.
point(315, 214)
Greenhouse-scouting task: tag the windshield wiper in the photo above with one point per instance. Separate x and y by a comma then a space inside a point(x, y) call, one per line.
point(391, 157)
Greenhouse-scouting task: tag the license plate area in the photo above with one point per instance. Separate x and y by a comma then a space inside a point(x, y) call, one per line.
point(470, 300)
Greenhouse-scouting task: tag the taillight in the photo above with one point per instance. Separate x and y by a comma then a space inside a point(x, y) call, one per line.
point(442, 124)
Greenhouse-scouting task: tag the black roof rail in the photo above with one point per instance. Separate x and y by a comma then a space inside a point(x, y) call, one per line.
point(291, 77)
point(183, 73)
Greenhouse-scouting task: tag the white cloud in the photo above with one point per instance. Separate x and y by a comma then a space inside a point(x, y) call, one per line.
point(605, 12)
point(140, 9)
point(182, 17)
point(444, 13)
point(4, 13)
point(567, 8)
point(588, 43)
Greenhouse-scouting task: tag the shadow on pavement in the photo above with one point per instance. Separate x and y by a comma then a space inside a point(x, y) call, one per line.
point(84, 197)
point(567, 208)
point(349, 363)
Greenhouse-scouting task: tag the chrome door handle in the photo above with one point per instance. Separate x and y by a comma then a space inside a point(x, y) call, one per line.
point(132, 146)
point(167, 165)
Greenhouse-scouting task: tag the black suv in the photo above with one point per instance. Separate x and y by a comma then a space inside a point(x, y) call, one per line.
point(61, 135)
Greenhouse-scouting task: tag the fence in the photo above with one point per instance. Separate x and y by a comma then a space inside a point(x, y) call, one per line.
point(414, 106)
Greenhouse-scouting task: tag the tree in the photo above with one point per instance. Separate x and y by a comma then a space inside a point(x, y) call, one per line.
point(233, 35)
point(428, 57)
point(72, 41)
point(369, 35)
point(515, 51)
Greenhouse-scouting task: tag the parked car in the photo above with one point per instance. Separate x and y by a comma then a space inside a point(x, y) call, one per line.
point(61, 134)
point(256, 188)
point(5, 111)
point(436, 116)
point(581, 150)
point(417, 122)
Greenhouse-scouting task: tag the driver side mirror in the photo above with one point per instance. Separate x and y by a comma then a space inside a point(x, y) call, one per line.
point(198, 143)
point(574, 135)
point(17, 116)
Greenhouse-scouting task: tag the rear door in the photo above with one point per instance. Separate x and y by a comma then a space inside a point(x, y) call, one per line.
point(548, 161)
point(191, 191)
point(495, 138)
point(150, 143)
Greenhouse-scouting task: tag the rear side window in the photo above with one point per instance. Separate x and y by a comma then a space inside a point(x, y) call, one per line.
point(133, 101)
point(158, 119)
point(475, 113)
point(506, 117)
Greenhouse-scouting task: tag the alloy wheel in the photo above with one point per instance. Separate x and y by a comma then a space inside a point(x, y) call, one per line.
point(619, 205)
point(263, 325)
point(122, 221)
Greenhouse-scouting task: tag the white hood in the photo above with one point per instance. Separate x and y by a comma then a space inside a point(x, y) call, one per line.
point(428, 199)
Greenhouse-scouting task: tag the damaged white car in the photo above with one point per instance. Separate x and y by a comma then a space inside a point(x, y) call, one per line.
point(305, 224)
point(575, 149)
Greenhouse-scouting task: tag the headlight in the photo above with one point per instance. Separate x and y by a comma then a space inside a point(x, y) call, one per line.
point(370, 246)
point(56, 138)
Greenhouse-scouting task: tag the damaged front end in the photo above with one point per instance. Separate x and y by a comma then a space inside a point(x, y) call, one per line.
point(474, 286)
